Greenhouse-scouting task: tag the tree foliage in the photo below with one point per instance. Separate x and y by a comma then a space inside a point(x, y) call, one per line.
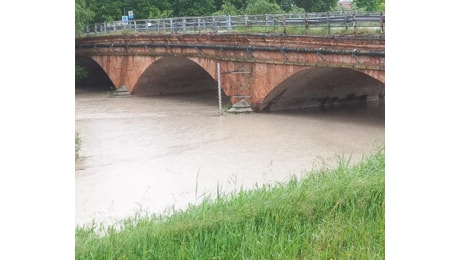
point(296, 10)
point(230, 7)
point(263, 7)
point(82, 15)
point(370, 5)
point(193, 7)
point(160, 9)
point(80, 72)
point(105, 10)
point(227, 8)
point(316, 5)
point(289, 6)
point(96, 11)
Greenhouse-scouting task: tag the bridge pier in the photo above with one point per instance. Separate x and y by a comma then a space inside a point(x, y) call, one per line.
point(240, 104)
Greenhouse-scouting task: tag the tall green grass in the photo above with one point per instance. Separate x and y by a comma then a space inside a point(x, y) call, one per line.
point(329, 214)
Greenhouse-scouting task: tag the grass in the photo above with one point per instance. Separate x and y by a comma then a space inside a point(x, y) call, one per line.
point(328, 214)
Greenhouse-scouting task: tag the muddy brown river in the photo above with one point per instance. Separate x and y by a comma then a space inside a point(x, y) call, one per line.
point(157, 154)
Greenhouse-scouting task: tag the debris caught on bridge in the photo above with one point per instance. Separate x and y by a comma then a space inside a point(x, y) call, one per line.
point(240, 107)
point(120, 92)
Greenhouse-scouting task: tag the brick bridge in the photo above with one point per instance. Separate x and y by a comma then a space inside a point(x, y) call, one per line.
point(266, 72)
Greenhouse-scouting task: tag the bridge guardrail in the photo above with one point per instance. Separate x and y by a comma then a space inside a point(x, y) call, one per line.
point(286, 23)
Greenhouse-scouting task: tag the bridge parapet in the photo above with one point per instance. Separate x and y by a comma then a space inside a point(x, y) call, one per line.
point(365, 42)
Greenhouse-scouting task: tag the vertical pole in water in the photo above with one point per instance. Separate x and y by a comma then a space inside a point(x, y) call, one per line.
point(219, 89)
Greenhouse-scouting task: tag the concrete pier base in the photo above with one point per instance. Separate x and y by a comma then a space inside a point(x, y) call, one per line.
point(241, 106)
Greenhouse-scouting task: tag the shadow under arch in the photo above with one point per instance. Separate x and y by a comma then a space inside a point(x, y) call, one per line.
point(317, 87)
point(175, 75)
point(96, 79)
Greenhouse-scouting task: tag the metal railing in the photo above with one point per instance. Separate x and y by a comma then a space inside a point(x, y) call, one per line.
point(325, 22)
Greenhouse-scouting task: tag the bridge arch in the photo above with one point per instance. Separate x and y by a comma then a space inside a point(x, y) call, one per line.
point(176, 75)
point(255, 70)
point(96, 79)
point(314, 87)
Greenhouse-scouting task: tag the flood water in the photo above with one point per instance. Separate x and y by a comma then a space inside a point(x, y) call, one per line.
point(154, 154)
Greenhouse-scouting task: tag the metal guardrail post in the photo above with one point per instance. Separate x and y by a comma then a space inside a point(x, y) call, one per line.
point(381, 22)
point(266, 23)
point(346, 23)
point(328, 23)
point(229, 23)
point(306, 24)
point(354, 22)
point(284, 24)
point(246, 22)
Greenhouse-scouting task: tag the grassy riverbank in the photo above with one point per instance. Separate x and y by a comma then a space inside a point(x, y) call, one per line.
point(331, 214)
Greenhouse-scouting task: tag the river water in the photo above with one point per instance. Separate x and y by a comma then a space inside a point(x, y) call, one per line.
point(158, 154)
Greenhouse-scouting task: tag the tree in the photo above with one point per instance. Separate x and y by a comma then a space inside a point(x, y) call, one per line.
point(288, 6)
point(263, 7)
point(154, 12)
point(228, 8)
point(370, 5)
point(105, 10)
point(82, 16)
point(297, 10)
point(316, 5)
point(80, 72)
point(193, 8)
point(143, 9)
point(160, 9)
